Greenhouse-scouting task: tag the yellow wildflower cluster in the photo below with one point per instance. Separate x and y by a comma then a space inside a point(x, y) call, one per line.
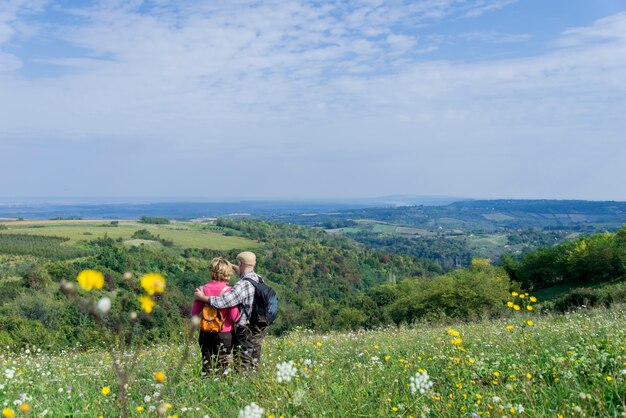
point(457, 340)
point(524, 302)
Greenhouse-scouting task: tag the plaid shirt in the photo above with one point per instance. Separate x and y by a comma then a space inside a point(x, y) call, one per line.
point(242, 294)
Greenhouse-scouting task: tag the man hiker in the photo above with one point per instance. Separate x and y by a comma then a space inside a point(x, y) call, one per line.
point(248, 337)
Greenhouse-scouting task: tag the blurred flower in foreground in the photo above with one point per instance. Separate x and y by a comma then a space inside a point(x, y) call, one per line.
point(251, 411)
point(104, 305)
point(286, 371)
point(8, 413)
point(89, 279)
point(153, 283)
point(146, 303)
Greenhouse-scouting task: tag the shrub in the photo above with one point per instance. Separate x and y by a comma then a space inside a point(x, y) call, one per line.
point(465, 293)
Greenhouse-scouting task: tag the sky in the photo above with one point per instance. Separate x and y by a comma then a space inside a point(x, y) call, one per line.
point(234, 99)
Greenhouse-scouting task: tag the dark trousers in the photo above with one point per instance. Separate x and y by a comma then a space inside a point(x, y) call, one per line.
point(215, 347)
point(248, 347)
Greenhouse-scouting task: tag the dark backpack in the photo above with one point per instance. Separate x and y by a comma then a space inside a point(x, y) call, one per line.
point(265, 305)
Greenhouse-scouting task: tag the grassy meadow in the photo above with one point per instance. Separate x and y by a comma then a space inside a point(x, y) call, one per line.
point(553, 366)
point(183, 234)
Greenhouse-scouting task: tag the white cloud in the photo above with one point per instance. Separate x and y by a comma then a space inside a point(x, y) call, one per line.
point(303, 85)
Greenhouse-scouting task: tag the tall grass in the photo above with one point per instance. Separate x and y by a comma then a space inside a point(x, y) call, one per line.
point(567, 365)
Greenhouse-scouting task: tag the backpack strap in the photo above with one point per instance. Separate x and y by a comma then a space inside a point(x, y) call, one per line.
point(256, 287)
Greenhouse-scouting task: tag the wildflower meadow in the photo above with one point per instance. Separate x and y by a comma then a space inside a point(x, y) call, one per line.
point(525, 364)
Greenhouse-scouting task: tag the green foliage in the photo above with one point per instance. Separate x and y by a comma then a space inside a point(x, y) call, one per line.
point(466, 293)
point(154, 220)
point(144, 234)
point(40, 246)
point(593, 259)
point(585, 297)
point(324, 281)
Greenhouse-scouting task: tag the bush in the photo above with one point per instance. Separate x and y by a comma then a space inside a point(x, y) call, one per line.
point(575, 298)
point(466, 293)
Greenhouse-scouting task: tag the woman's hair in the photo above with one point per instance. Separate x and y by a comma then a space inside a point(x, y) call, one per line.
point(220, 269)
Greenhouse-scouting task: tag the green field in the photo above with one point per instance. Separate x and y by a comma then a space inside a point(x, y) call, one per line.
point(488, 246)
point(560, 366)
point(185, 234)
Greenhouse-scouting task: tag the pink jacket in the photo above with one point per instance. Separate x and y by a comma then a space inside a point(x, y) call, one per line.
point(231, 315)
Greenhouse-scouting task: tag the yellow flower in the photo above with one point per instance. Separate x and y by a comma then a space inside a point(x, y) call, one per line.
point(106, 390)
point(159, 376)
point(146, 303)
point(609, 378)
point(529, 376)
point(88, 279)
point(8, 413)
point(387, 358)
point(139, 408)
point(24, 408)
point(530, 308)
point(453, 332)
point(510, 304)
point(509, 327)
point(319, 344)
point(516, 307)
point(457, 341)
point(153, 283)
point(514, 294)
point(533, 299)
point(376, 347)
point(530, 323)
point(522, 296)
point(394, 409)
point(496, 374)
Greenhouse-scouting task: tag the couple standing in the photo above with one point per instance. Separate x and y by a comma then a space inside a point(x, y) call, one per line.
point(235, 304)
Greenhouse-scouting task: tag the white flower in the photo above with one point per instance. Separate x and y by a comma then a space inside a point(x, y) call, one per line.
point(147, 398)
point(251, 411)
point(420, 383)
point(286, 371)
point(307, 362)
point(104, 305)
point(9, 373)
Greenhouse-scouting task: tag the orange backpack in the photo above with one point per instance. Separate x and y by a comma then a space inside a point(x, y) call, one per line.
point(212, 319)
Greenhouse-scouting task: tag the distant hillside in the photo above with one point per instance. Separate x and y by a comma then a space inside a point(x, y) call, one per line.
point(484, 215)
point(187, 210)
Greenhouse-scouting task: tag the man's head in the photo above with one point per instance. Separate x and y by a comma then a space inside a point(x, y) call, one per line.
point(247, 261)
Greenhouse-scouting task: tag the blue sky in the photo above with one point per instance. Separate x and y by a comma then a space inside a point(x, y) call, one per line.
point(313, 99)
